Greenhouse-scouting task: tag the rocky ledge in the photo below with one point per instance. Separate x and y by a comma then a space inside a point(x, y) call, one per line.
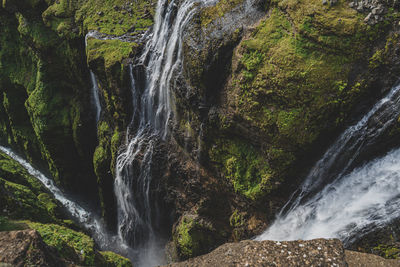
point(25, 248)
point(317, 252)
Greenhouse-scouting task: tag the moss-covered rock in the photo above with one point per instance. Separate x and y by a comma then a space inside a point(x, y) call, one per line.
point(194, 236)
point(116, 17)
point(70, 244)
point(114, 260)
point(23, 196)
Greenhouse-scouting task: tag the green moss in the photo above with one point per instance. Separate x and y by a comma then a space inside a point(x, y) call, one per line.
point(218, 10)
point(50, 204)
point(111, 51)
point(192, 237)
point(18, 201)
point(387, 251)
point(244, 166)
point(9, 225)
point(15, 173)
point(291, 81)
point(70, 244)
point(381, 56)
point(115, 260)
point(236, 219)
point(109, 17)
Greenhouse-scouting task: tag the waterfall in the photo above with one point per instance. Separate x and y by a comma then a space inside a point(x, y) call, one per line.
point(80, 214)
point(95, 84)
point(152, 110)
point(95, 95)
point(353, 202)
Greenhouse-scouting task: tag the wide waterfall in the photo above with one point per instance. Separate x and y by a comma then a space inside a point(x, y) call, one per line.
point(353, 202)
point(152, 110)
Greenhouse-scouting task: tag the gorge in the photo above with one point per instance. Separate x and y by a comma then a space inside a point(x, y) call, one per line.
point(164, 129)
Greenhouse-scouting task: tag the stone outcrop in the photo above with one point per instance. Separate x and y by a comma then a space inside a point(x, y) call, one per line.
point(317, 252)
point(376, 9)
point(26, 248)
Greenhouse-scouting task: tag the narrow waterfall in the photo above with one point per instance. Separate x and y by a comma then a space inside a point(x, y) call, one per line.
point(80, 214)
point(95, 85)
point(95, 95)
point(162, 59)
point(350, 204)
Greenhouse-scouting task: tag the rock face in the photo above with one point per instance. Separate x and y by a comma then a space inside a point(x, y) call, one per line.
point(25, 248)
point(317, 252)
point(357, 259)
point(376, 9)
point(265, 84)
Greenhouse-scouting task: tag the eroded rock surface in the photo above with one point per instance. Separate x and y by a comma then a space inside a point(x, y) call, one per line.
point(25, 248)
point(318, 252)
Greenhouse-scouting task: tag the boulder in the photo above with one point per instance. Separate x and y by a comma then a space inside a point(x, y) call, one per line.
point(21, 248)
point(318, 252)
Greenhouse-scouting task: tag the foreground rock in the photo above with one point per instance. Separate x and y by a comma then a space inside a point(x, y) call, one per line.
point(357, 259)
point(317, 252)
point(21, 248)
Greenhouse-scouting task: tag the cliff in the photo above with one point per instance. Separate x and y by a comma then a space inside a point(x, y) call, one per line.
point(264, 87)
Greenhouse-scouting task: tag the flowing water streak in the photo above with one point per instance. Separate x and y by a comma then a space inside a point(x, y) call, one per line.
point(162, 58)
point(365, 199)
point(81, 215)
point(350, 145)
point(95, 85)
point(95, 95)
point(351, 203)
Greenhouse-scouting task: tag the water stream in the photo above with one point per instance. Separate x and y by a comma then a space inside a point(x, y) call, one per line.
point(339, 201)
point(80, 214)
point(138, 214)
point(95, 84)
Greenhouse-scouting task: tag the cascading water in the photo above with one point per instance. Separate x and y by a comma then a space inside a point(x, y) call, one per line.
point(162, 58)
point(351, 204)
point(95, 85)
point(95, 95)
point(81, 215)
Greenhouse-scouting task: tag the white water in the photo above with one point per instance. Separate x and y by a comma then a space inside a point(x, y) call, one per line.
point(152, 111)
point(350, 204)
point(81, 215)
point(95, 95)
point(95, 85)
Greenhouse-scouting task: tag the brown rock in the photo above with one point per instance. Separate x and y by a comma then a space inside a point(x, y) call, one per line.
point(357, 259)
point(318, 252)
point(25, 248)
